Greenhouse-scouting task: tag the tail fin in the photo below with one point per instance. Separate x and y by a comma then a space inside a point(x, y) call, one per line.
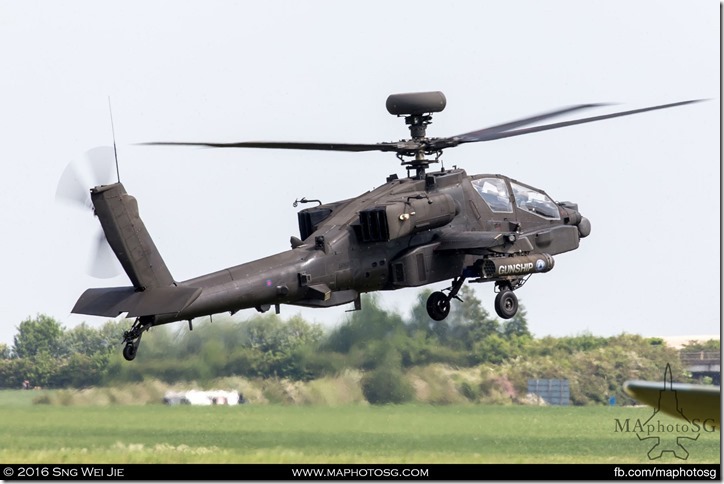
point(128, 237)
point(154, 291)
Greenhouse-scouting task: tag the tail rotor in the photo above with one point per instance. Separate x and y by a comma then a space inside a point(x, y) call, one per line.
point(95, 168)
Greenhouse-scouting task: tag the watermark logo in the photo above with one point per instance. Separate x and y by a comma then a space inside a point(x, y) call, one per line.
point(666, 432)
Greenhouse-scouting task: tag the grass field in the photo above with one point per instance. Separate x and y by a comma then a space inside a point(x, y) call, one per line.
point(406, 434)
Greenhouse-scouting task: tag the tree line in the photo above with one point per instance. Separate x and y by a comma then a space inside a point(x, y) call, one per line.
point(381, 343)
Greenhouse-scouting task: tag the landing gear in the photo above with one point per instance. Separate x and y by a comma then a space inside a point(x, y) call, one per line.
point(506, 302)
point(129, 351)
point(438, 306)
point(438, 303)
point(132, 337)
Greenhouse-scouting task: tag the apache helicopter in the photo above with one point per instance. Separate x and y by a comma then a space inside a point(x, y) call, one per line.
point(429, 227)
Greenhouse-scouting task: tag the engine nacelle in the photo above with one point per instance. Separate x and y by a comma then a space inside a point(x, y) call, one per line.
point(516, 266)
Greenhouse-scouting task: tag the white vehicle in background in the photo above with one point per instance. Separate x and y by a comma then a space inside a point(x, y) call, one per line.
point(203, 397)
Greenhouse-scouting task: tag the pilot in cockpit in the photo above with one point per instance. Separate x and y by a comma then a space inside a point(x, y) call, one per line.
point(494, 192)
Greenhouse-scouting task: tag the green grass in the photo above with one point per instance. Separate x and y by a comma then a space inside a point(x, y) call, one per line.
point(325, 434)
point(20, 397)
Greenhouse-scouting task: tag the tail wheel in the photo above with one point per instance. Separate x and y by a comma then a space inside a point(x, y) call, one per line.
point(132, 337)
point(506, 304)
point(438, 306)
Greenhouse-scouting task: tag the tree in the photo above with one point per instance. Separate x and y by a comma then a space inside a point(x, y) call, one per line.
point(517, 325)
point(470, 322)
point(469, 310)
point(5, 351)
point(81, 339)
point(111, 333)
point(467, 323)
point(386, 385)
point(493, 349)
point(370, 324)
point(78, 371)
point(696, 345)
point(271, 334)
point(14, 371)
point(420, 322)
point(419, 319)
point(36, 336)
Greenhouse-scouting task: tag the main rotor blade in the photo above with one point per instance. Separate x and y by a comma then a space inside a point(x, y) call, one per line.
point(563, 124)
point(287, 145)
point(416, 146)
point(401, 147)
point(485, 133)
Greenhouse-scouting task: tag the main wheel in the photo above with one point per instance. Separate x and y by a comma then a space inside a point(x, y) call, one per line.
point(129, 351)
point(438, 306)
point(506, 304)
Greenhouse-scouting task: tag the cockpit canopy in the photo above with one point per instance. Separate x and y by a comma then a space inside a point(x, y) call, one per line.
point(495, 192)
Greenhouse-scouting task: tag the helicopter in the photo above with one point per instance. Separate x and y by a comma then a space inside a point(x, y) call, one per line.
point(427, 227)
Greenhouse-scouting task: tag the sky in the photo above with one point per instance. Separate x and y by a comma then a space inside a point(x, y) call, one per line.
point(221, 71)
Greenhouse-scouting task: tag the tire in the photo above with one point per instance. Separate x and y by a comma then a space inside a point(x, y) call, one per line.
point(506, 304)
point(438, 306)
point(129, 351)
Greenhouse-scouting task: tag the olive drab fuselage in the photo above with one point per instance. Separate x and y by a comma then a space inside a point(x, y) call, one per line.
point(429, 227)
point(405, 233)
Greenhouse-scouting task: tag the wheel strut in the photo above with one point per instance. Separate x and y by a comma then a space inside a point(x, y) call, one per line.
point(457, 283)
point(438, 303)
point(132, 337)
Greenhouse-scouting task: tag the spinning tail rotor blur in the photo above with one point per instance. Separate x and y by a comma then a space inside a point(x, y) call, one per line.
point(94, 169)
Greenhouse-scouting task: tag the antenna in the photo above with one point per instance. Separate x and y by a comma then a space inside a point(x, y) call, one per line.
point(113, 131)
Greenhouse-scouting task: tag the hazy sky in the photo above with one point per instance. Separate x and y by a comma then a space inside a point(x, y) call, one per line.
point(321, 71)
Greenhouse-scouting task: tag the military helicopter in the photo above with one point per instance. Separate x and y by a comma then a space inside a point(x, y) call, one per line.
point(427, 227)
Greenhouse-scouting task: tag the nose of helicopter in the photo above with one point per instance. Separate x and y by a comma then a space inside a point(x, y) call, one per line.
point(571, 216)
point(584, 227)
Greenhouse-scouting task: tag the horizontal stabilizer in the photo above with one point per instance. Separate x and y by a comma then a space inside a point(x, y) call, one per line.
point(112, 301)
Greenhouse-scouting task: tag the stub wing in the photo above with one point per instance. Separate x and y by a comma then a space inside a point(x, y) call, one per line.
point(476, 242)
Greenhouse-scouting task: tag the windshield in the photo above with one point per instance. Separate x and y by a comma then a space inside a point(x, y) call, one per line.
point(534, 202)
point(495, 193)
